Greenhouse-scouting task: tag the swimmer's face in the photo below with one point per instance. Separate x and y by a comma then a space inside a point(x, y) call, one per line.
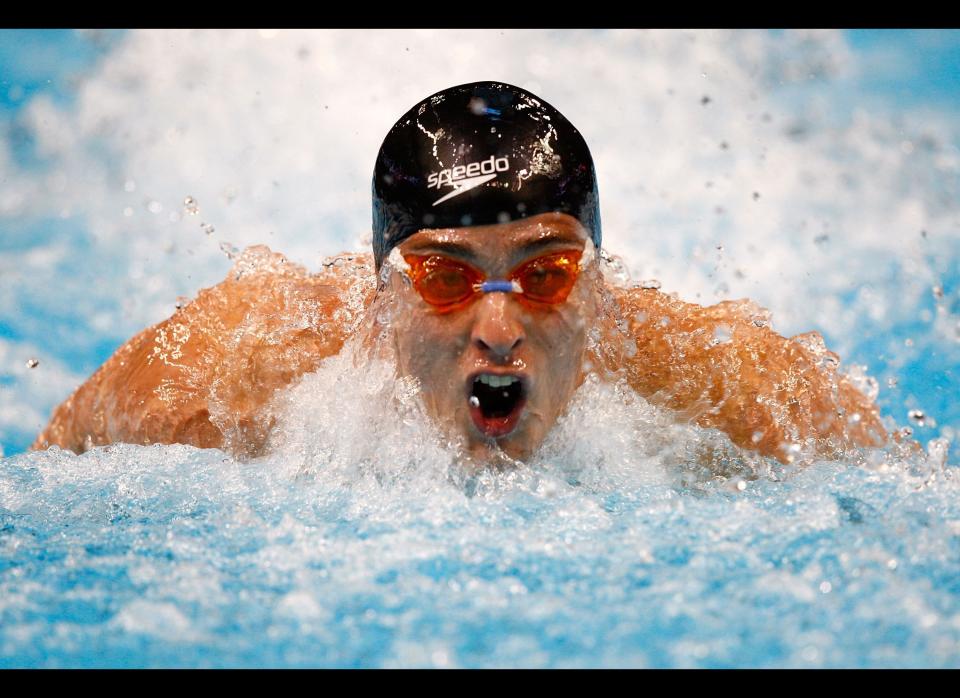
point(497, 369)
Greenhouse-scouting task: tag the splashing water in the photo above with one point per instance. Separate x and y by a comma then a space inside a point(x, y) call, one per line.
point(364, 537)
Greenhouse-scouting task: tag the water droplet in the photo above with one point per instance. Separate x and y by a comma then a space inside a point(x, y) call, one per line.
point(190, 206)
point(129, 185)
point(938, 291)
point(825, 587)
point(721, 335)
point(908, 342)
point(741, 485)
point(474, 401)
point(228, 250)
point(918, 417)
point(892, 382)
point(207, 228)
point(892, 564)
point(32, 363)
point(650, 284)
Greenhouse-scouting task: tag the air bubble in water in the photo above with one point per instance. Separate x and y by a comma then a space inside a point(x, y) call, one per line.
point(937, 291)
point(207, 228)
point(190, 206)
point(32, 363)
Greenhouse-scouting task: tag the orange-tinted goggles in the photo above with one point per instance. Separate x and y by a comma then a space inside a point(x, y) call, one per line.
point(449, 284)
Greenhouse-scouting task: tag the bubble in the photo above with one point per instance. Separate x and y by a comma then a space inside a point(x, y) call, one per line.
point(32, 363)
point(474, 401)
point(650, 284)
point(129, 185)
point(892, 382)
point(937, 291)
point(207, 228)
point(825, 587)
point(154, 206)
point(190, 206)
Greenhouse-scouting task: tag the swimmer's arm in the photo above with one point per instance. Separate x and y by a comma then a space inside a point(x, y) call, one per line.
point(204, 376)
point(722, 367)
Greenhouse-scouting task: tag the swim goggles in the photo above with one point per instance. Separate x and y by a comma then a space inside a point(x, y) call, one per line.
point(449, 284)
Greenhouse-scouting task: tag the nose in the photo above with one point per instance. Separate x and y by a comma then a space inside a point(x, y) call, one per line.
point(497, 329)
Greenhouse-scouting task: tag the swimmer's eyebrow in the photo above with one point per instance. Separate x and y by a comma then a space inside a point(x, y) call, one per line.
point(542, 243)
point(523, 251)
point(451, 249)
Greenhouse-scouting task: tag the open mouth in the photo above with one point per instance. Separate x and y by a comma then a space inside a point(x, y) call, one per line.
point(496, 402)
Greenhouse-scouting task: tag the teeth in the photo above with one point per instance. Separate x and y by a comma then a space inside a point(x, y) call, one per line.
point(497, 381)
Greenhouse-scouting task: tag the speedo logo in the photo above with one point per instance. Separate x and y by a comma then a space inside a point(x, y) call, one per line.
point(465, 177)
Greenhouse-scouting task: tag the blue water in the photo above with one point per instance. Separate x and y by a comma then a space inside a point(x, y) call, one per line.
point(127, 559)
point(357, 544)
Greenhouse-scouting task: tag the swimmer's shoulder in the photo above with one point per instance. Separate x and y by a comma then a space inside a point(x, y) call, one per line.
point(204, 375)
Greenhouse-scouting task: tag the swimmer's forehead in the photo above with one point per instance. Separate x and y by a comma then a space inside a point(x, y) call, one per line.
point(507, 241)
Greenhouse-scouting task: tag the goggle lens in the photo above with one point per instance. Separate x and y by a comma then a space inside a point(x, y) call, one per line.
point(549, 279)
point(446, 283)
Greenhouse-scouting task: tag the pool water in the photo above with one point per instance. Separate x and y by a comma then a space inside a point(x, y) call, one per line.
point(796, 169)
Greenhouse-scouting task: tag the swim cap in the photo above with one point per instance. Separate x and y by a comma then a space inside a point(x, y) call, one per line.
point(478, 154)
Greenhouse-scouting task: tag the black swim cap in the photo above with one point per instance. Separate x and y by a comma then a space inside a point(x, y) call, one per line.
point(477, 154)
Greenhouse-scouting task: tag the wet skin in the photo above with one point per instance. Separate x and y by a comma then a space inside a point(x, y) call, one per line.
point(207, 376)
point(496, 333)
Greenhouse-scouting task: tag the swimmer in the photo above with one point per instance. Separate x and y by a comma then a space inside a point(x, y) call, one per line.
point(487, 284)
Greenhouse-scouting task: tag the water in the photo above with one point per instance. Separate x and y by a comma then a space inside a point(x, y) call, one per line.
point(362, 539)
point(173, 556)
